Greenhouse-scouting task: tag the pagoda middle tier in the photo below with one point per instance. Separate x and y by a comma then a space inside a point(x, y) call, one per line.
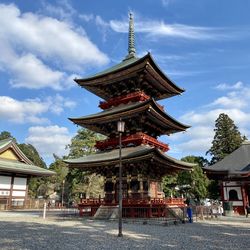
point(145, 121)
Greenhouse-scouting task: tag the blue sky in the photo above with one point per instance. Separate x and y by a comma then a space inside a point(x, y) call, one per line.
point(203, 46)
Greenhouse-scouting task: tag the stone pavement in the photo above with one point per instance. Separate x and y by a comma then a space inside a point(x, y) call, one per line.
point(32, 232)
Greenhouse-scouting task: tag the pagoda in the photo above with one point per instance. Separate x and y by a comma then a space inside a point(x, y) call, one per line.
point(129, 92)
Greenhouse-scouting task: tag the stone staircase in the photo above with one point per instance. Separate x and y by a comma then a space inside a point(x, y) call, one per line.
point(176, 213)
point(106, 213)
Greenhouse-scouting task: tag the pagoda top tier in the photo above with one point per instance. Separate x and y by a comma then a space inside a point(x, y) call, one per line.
point(131, 75)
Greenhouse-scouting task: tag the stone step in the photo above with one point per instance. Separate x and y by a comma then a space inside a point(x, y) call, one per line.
point(106, 213)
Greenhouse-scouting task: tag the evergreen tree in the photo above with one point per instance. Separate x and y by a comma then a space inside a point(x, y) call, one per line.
point(5, 135)
point(190, 183)
point(227, 138)
point(79, 181)
point(195, 179)
point(58, 182)
point(169, 182)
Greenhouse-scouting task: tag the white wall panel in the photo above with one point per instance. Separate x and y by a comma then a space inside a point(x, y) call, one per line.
point(20, 183)
point(5, 182)
point(18, 193)
point(4, 193)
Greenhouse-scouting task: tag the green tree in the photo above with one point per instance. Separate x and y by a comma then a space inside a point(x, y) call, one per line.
point(195, 182)
point(227, 138)
point(58, 183)
point(79, 181)
point(31, 153)
point(6, 135)
point(169, 182)
point(83, 143)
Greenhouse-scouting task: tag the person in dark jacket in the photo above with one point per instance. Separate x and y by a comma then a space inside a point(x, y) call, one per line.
point(247, 210)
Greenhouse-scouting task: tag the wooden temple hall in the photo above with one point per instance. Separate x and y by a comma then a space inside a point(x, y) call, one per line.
point(129, 92)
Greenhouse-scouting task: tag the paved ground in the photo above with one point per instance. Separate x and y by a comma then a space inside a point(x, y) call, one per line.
point(32, 232)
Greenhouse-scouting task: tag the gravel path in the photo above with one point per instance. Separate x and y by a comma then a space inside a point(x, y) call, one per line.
point(34, 233)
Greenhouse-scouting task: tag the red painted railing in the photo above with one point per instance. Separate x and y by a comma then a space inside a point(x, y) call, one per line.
point(138, 96)
point(143, 208)
point(129, 201)
point(135, 139)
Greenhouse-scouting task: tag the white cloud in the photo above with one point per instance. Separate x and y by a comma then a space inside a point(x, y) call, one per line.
point(49, 140)
point(166, 3)
point(31, 110)
point(225, 86)
point(155, 28)
point(33, 46)
point(22, 111)
point(198, 138)
point(62, 10)
point(86, 17)
point(230, 102)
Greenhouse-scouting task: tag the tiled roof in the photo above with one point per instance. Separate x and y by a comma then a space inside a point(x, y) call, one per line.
point(15, 166)
point(18, 167)
point(236, 162)
point(128, 154)
point(112, 113)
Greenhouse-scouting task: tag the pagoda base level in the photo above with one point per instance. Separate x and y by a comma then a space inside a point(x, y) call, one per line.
point(154, 208)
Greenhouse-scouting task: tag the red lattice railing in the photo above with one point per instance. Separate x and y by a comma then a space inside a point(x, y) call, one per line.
point(138, 96)
point(135, 139)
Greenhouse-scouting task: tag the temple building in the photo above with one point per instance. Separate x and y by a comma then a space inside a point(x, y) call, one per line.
point(129, 92)
point(15, 171)
point(233, 173)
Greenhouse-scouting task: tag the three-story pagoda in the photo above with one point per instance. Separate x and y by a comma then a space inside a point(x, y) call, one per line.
point(130, 91)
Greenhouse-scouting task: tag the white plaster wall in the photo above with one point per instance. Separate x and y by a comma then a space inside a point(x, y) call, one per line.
point(18, 193)
point(227, 189)
point(5, 182)
point(237, 203)
point(4, 193)
point(20, 183)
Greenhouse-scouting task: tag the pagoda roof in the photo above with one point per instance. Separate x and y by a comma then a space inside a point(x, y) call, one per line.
point(154, 112)
point(129, 155)
point(21, 164)
point(235, 164)
point(128, 68)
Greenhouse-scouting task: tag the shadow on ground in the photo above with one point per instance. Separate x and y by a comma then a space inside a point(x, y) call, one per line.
point(24, 233)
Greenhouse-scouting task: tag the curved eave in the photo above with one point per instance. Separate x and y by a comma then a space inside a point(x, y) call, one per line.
point(129, 155)
point(22, 168)
point(163, 75)
point(150, 106)
point(228, 173)
point(91, 83)
point(176, 163)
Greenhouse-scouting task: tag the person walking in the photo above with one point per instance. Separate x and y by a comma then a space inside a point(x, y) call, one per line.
point(247, 210)
point(190, 214)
